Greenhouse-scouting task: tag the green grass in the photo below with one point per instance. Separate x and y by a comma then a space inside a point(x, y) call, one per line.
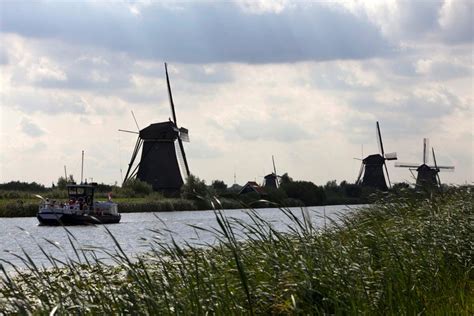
point(28, 207)
point(402, 255)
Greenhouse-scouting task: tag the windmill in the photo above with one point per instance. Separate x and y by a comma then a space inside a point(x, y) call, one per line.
point(162, 154)
point(272, 180)
point(428, 176)
point(371, 169)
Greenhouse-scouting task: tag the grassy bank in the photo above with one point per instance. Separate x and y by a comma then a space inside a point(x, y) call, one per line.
point(398, 256)
point(28, 207)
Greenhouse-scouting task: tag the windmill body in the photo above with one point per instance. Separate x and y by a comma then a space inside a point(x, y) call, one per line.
point(162, 151)
point(371, 170)
point(159, 163)
point(426, 176)
point(270, 181)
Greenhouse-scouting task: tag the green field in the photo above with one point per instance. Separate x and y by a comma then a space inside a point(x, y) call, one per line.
point(399, 256)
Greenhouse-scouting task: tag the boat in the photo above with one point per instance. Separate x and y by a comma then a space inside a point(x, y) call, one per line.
point(80, 209)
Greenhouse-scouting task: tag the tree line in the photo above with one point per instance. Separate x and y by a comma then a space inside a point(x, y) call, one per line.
point(290, 192)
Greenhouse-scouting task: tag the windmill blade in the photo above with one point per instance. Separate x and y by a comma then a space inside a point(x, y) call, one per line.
point(184, 134)
point(274, 168)
point(388, 177)
point(124, 130)
point(406, 165)
point(379, 139)
point(446, 168)
point(434, 159)
point(425, 150)
point(181, 147)
point(170, 95)
point(391, 156)
point(360, 173)
point(138, 128)
point(436, 167)
point(138, 145)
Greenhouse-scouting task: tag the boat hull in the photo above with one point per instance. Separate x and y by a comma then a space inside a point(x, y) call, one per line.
point(56, 219)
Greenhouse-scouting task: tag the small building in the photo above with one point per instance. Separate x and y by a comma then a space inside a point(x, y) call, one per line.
point(252, 186)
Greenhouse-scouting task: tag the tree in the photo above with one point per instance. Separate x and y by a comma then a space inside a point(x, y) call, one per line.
point(194, 188)
point(307, 192)
point(22, 186)
point(62, 182)
point(352, 190)
point(285, 178)
point(219, 186)
point(137, 187)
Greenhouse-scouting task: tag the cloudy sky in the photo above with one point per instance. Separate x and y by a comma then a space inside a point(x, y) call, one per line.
point(303, 81)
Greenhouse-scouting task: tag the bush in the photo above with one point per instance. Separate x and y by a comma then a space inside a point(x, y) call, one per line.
point(309, 193)
point(135, 188)
point(194, 189)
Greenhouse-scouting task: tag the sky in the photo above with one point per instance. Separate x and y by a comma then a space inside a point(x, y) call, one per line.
point(302, 81)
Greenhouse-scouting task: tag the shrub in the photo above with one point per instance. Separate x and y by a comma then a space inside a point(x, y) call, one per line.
point(135, 188)
point(194, 188)
point(309, 193)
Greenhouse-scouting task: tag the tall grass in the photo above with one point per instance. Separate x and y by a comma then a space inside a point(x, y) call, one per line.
point(399, 256)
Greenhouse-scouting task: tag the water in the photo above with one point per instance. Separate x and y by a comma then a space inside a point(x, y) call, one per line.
point(134, 232)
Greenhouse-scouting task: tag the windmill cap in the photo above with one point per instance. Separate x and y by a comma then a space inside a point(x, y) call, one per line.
point(163, 130)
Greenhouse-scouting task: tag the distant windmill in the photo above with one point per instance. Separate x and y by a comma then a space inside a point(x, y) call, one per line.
point(428, 176)
point(371, 170)
point(159, 164)
point(271, 180)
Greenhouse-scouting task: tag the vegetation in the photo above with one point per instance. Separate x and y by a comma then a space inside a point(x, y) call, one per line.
point(22, 186)
point(400, 255)
point(138, 196)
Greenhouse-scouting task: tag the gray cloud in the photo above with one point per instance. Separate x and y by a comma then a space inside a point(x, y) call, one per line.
point(442, 70)
point(30, 102)
point(413, 114)
point(444, 21)
point(30, 128)
point(202, 33)
point(416, 18)
point(457, 20)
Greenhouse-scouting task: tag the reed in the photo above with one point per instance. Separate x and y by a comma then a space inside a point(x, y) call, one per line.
point(399, 256)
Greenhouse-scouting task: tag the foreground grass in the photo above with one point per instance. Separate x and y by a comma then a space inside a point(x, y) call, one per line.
point(402, 256)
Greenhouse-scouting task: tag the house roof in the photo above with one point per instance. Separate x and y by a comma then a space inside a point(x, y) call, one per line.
point(252, 186)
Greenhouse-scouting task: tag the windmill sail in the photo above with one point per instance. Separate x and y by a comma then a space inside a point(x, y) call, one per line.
point(436, 167)
point(425, 150)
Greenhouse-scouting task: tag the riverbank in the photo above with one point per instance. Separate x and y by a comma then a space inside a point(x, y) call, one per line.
point(27, 207)
point(397, 256)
